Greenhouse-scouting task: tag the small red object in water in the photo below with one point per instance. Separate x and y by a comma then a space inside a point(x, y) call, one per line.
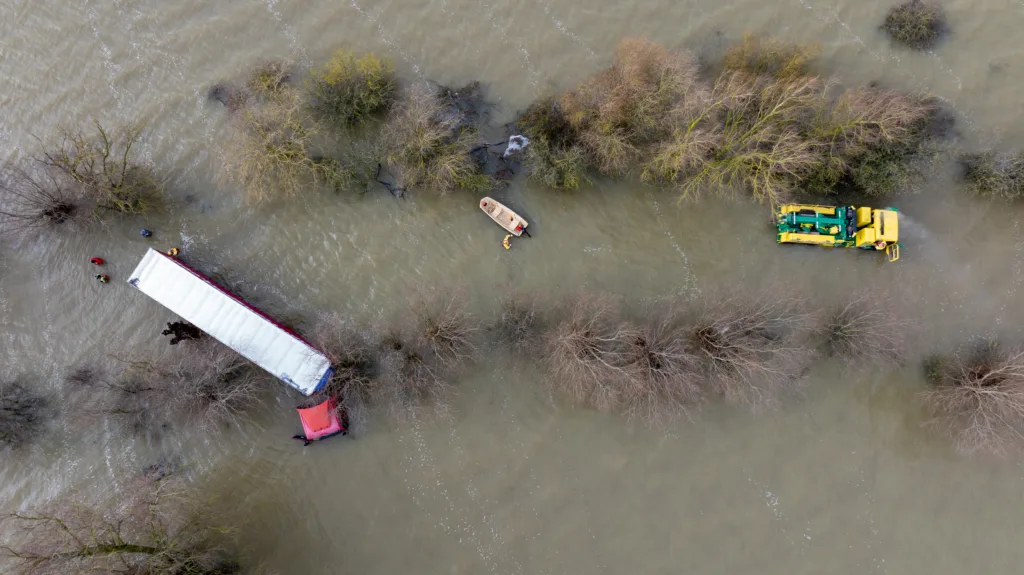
point(97, 261)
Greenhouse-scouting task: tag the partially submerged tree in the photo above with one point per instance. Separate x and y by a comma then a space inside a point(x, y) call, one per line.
point(996, 175)
point(446, 329)
point(867, 330)
point(350, 89)
point(750, 349)
point(23, 413)
point(429, 142)
point(918, 24)
point(273, 152)
point(33, 201)
point(519, 323)
point(153, 528)
point(106, 167)
point(205, 384)
point(976, 396)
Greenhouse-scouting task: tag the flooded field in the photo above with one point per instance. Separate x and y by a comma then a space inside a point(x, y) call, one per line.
point(842, 479)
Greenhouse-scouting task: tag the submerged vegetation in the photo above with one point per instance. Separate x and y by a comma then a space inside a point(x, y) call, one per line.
point(351, 89)
point(765, 125)
point(977, 397)
point(23, 413)
point(995, 175)
point(148, 527)
point(916, 23)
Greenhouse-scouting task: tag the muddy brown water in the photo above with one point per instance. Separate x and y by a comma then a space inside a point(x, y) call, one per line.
point(842, 480)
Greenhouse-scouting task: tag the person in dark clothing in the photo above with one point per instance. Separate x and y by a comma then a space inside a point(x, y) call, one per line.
point(181, 331)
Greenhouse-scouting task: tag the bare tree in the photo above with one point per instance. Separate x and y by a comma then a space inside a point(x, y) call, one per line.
point(664, 381)
point(587, 353)
point(205, 384)
point(23, 413)
point(749, 347)
point(518, 326)
point(866, 329)
point(31, 201)
point(977, 397)
point(149, 527)
point(446, 328)
point(106, 167)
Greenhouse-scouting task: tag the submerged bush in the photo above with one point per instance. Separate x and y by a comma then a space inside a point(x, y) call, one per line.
point(994, 175)
point(518, 325)
point(769, 56)
point(273, 151)
point(32, 201)
point(105, 166)
point(350, 89)
point(865, 330)
point(917, 23)
point(429, 142)
point(977, 396)
point(269, 78)
point(751, 349)
point(23, 413)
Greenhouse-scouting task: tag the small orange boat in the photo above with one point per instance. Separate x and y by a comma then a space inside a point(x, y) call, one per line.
point(504, 217)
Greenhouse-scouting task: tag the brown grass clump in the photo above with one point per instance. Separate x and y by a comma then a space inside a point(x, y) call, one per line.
point(866, 330)
point(104, 166)
point(751, 349)
point(429, 143)
point(24, 413)
point(977, 397)
point(918, 24)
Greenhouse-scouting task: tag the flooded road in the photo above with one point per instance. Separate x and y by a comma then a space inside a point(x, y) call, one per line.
point(842, 480)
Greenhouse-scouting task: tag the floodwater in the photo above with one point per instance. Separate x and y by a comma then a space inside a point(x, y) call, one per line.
point(841, 480)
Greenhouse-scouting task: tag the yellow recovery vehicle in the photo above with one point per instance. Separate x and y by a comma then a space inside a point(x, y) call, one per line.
point(842, 226)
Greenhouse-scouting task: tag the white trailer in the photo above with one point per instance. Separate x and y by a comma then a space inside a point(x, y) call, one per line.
point(228, 319)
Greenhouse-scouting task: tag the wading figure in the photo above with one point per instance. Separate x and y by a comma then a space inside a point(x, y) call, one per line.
point(181, 331)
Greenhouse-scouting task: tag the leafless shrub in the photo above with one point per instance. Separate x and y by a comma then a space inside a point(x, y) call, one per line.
point(23, 413)
point(269, 78)
point(664, 381)
point(409, 381)
point(977, 397)
point(205, 384)
point(586, 354)
point(33, 201)
point(866, 330)
point(750, 349)
point(446, 329)
point(146, 527)
point(518, 324)
point(769, 56)
point(214, 386)
point(353, 359)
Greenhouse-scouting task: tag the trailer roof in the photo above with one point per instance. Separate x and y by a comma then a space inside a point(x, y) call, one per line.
point(231, 321)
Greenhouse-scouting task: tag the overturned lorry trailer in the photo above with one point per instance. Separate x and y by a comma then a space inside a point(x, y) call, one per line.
point(228, 319)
